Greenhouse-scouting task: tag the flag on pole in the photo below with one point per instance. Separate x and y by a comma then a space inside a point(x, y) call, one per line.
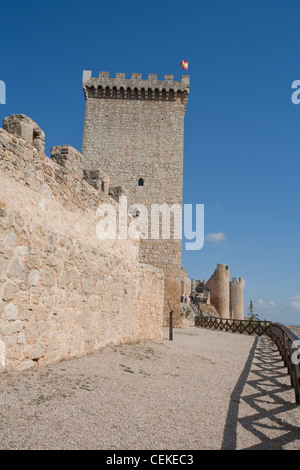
point(184, 64)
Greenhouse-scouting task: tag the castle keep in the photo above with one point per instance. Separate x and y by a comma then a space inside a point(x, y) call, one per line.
point(133, 131)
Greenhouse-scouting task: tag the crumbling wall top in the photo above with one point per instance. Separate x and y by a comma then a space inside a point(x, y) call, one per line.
point(237, 281)
point(222, 267)
point(60, 177)
point(24, 127)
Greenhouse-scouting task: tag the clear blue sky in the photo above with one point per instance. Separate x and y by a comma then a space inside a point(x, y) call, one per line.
point(241, 128)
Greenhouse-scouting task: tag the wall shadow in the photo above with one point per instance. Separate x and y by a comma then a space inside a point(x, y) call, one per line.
point(261, 386)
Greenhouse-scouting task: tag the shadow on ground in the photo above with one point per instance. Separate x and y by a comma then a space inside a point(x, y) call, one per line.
point(262, 390)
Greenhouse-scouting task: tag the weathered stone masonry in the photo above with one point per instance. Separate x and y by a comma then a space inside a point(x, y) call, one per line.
point(63, 292)
point(133, 130)
point(226, 296)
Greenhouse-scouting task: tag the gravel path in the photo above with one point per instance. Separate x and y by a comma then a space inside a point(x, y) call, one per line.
point(204, 390)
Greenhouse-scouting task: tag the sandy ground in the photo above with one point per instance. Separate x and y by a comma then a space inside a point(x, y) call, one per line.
point(204, 390)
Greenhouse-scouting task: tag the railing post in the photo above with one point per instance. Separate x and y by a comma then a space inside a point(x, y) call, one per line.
point(170, 323)
point(295, 369)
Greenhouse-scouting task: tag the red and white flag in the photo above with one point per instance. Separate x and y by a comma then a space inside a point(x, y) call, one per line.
point(184, 64)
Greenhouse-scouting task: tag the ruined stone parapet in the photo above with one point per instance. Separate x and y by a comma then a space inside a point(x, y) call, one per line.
point(58, 181)
point(98, 179)
point(105, 87)
point(116, 192)
point(203, 297)
point(237, 299)
point(59, 177)
point(24, 127)
point(73, 161)
point(69, 158)
point(218, 285)
point(198, 286)
point(63, 291)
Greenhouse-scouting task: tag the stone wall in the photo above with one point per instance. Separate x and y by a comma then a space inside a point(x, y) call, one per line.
point(64, 292)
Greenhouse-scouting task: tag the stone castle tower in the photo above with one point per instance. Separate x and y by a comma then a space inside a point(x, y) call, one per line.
point(226, 296)
point(218, 284)
point(133, 131)
point(237, 298)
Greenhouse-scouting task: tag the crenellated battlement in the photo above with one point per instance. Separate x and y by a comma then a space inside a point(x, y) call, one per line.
point(135, 88)
point(237, 281)
point(222, 267)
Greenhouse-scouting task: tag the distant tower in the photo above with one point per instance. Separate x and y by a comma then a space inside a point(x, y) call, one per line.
point(237, 299)
point(218, 284)
point(133, 131)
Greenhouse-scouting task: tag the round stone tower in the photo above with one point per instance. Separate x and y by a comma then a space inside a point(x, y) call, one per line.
point(237, 299)
point(218, 285)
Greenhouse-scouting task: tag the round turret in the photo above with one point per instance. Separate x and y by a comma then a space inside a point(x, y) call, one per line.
point(237, 299)
point(218, 285)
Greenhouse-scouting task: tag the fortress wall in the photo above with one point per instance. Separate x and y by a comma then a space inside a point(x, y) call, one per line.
point(64, 292)
point(186, 287)
point(218, 285)
point(237, 299)
point(55, 191)
point(177, 279)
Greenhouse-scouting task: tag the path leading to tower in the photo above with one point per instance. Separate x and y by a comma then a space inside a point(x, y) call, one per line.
point(204, 390)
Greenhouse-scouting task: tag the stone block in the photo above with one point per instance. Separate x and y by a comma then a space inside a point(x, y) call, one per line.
point(24, 127)
point(11, 312)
